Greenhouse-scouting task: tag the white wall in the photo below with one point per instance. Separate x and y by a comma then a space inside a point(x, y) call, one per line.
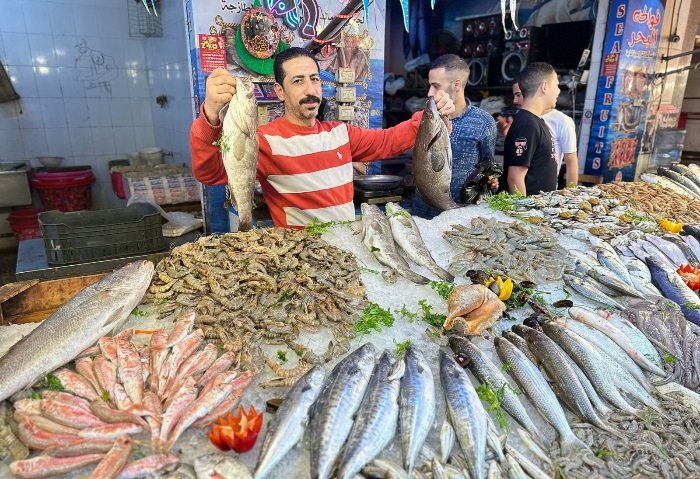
point(64, 112)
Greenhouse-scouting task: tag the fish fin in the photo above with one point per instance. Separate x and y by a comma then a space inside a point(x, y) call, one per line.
point(405, 222)
point(437, 162)
point(115, 318)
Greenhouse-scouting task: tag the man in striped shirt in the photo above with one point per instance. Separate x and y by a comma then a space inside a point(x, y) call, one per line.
point(305, 165)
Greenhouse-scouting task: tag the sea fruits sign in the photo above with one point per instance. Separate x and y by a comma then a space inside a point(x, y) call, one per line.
point(629, 55)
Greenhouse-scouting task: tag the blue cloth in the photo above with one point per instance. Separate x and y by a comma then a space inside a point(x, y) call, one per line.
point(473, 139)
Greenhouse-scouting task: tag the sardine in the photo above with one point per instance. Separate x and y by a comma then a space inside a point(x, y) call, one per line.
point(466, 413)
point(336, 407)
point(407, 235)
point(92, 313)
point(376, 421)
point(240, 155)
point(376, 236)
point(532, 383)
point(432, 159)
point(417, 405)
point(587, 289)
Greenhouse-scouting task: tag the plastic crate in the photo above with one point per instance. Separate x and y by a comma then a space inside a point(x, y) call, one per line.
point(84, 236)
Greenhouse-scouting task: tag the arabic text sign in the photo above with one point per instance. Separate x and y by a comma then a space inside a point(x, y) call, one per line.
point(629, 55)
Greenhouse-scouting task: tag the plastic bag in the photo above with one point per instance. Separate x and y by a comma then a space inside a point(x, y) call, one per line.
point(475, 187)
point(178, 222)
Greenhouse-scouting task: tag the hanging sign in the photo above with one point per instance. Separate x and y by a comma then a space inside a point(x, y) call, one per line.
point(212, 51)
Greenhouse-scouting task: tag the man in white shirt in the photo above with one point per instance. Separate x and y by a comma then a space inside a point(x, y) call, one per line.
point(563, 131)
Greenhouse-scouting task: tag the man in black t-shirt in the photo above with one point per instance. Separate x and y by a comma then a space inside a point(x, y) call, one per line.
point(529, 164)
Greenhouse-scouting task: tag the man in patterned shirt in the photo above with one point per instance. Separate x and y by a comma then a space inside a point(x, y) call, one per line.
point(473, 137)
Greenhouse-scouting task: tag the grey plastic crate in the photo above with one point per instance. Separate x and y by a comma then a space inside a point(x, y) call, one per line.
point(83, 236)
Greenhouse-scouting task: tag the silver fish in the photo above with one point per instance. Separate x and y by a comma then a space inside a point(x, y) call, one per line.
point(666, 184)
point(532, 383)
point(609, 258)
point(220, 465)
point(290, 421)
point(671, 251)
point(490, 374)
point(687, 251)
point(432, 159)
point(92, 313)
point(417, 405)
point(587, 289)
point(533, 471)
point(604, 276)
point(408, 237)
point(240, 155)
point(466, 413)
point(376, 236)
point(335, 409)
point(375, 424)
point(447, 440)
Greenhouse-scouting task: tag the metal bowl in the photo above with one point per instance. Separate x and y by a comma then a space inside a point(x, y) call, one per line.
point(378, 182)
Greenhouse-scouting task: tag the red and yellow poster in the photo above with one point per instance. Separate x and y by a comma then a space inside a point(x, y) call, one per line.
point(212, 51)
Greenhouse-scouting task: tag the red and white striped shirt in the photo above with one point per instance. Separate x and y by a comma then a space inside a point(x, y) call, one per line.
point(305, 172)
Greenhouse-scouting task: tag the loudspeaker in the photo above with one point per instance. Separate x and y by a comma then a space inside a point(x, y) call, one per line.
point(489, 26)
point(468, 29)
point(518, 54)
point(478, 71)
point(475, 49)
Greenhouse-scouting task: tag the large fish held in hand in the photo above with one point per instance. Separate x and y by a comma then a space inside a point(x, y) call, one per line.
point(432, 159)
point(78, 324)
point(240, 153)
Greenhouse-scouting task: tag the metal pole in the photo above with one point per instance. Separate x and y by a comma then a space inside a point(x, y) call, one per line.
point(671, 57)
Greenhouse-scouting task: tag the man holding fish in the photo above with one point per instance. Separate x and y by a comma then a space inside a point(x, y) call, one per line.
point(304, 165)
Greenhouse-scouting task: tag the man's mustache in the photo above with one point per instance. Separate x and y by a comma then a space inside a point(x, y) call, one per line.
point(310, 99)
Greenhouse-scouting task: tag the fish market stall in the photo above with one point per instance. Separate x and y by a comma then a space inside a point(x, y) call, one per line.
point(248, 319)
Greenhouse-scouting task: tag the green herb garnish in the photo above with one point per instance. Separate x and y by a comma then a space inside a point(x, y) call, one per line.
point(105, 396)
point(374, 249)
point(367, 270)
point(401, 347)
point(317, 227)
point(282, 355)
point(222, 143)
point(443, 288)
point(507, 366)
point(433, 319)
point(50, 382)
point(372, 317)
point(603, 453)
point(669, 358)
point(486, 393)
point(405, 313)
point(692, 305)
point(504, 201)
point(139, 454)
point(36, 395)
point(138, 312)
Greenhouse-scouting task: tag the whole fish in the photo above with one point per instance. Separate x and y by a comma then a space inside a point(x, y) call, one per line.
point(604, 276)
point(608, 257)
point(652, 250)
point(640, 341)
point(691, 174)
point(417, 410)
point(432, 159)
point(521, 344)
point(376, 236)
point(408, 237)
point(290, 421)
point(673, 287)
point(641, 277)
point(217, 465)
point(489, 373)
point(532, 383)
point(692, 230)
point(692, 243)
point(688, 253)
point(92, 313)
point(336, 407)
point(240, 155)
point(686, 183)
point(466, 413)
point(114, 461)
point(376, 421)
point(589, 361)
point(47, 466)
point(147, 466)
point(666, 183)
point(447, 440)
point(566, 384)
point(671, 251)
point(592, 319)
point(588, 289)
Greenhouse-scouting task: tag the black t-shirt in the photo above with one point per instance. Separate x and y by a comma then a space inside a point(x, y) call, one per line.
point(529, 143)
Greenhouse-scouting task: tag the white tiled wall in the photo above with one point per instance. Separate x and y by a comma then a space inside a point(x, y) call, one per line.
point(52, 48)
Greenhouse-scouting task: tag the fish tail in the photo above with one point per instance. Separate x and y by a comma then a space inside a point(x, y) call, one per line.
point(571, 444)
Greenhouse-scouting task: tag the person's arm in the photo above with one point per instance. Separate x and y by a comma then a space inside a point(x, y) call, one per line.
point(516, 179)
point(571, 162)
point(488, 143)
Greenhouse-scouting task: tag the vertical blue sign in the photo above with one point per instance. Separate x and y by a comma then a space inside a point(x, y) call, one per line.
point(629, 55)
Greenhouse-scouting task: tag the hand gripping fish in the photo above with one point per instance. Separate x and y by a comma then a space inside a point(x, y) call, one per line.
point(240, 153)
point(432, 159)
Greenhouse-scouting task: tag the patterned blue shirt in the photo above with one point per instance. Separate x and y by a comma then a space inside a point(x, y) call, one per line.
point(473, 139)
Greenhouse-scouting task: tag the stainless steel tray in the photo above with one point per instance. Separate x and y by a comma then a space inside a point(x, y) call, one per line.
point(378, 182)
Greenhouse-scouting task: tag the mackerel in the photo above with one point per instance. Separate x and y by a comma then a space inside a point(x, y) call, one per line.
point(376, 421)
point(675, 289)
point(466, 413)
point(609, 258)
point(336, 407)
point(489, 373)
point(407, 235)
point(534, 385)
point(686, 183)
point(666, 183)
point(587, 289)
point(672, 252)
point(604, 276)
point(590, 362)
point(417, 405)
point(568, 387)
point(290, 421)
point(593, 320)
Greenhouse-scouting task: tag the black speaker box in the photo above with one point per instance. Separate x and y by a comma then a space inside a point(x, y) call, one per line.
point(518, 54)
point(478, 71)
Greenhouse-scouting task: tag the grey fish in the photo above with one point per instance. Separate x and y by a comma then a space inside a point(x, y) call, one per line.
point(489, 373)
point(687, 251)
point(417, 405)
point(532, 383)
point(567, 385)
point(590, 362)
point(587, 289)
point(686, 183)
point(290, 421)
point(521, 344)
point(376, 236)
point(466, 413)
point(666, 183)
point(640, 341)
point(673, 252)
point(673, 287)
point(604, 276)
point(641, 277)
point(376, 421)
point(447, 440)
point(220, 465)
point(608, 257)
point(652, 250)
point(692, 243)
point(390, 469)
point(432, 159)
point(240, 155)
point(691, 174)
point(92, 313)
point(408, 237)
point(335, 409)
